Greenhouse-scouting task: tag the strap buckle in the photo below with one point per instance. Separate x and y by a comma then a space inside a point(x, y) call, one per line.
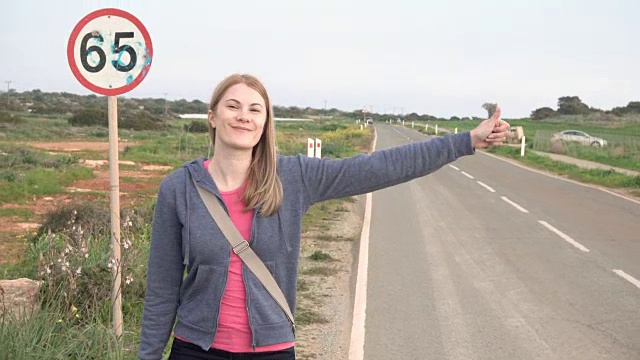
point(243, 245)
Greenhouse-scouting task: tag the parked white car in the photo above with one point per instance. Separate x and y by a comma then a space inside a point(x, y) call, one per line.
point(579, 137)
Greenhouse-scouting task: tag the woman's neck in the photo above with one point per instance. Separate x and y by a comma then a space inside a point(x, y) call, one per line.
point(229, 169)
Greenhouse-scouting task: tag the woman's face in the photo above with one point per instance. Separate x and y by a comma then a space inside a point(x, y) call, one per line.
point(239, 118)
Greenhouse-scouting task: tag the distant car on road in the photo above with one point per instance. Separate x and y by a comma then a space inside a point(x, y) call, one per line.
point(579, 137)
point(368, 120)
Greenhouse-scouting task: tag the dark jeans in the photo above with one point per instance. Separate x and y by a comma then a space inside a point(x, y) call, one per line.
point(182, 350)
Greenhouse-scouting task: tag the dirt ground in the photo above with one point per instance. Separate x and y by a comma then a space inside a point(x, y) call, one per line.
point(331, 294)
point(72, 146)
point(146, 180)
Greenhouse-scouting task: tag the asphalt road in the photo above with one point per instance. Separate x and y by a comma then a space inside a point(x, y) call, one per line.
point(484, 259)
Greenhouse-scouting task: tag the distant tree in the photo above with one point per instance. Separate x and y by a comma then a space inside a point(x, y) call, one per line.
point(490, 107)
point(572, 105)
point(454, 118)
point(634, 107)
point(542, 113)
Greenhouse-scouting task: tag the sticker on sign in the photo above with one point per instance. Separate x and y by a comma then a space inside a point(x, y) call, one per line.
point(110, 52)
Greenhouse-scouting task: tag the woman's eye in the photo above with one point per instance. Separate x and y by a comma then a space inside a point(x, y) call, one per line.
point(232, 107)
point(255, 110)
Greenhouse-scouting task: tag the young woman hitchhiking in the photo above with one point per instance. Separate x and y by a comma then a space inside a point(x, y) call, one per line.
point(221, 309)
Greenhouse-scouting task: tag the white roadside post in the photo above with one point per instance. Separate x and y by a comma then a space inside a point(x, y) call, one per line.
point(402, 122)
point(456, 131)
point(426, 128)
point(522, 147)
point(318, 148)
point(109, 52)
point(412, 124)
point(436, 129)
point(311, 147)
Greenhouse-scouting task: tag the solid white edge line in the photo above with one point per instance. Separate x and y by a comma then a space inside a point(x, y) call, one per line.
point(453, 167)
point(566, 238)
point(356, 344)
point(485, 186)
point(467, 175)
point(514, 204)
point(560, 178)
point(628, 277)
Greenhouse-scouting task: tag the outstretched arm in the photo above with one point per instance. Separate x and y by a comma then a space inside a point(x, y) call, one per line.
point(334, 178)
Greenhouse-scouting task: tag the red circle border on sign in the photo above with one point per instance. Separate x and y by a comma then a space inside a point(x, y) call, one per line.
point(72, 61)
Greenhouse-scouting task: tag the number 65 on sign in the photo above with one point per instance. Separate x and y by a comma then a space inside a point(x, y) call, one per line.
point(110, 52)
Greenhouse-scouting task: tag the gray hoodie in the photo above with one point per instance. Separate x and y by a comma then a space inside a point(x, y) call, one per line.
point(185, 237)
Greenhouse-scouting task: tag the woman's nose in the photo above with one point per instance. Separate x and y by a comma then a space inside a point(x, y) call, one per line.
point(243, 115)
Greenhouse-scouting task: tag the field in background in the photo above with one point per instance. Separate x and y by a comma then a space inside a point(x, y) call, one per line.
point(622, 135)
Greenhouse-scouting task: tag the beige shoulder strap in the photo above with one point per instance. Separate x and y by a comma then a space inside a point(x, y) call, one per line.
point(243, 250)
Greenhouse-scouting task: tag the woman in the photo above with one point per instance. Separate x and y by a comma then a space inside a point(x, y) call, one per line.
point(221, 308)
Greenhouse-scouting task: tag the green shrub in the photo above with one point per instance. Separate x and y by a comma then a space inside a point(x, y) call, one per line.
point(197, 127)
point(90, 117)
point(7, 118)
point(140, 120)
point(320, 256)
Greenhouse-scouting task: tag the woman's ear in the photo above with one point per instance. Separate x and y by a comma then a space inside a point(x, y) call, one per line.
point(211, 119)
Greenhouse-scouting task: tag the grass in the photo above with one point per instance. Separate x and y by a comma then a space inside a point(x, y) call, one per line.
point(621, 151)
point(21, 213)
point(608, 178)
point(306, 316)
point(23, 185)
point(320, 256)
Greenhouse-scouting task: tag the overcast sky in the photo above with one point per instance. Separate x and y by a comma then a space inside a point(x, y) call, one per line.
point(443, 58)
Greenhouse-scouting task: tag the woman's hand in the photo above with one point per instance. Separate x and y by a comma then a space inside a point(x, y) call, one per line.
point(490, 132)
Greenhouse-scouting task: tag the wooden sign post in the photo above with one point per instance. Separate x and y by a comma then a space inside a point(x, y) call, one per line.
point(109, 52)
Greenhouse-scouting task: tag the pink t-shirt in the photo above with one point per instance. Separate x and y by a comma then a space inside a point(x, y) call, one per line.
point(234, 333)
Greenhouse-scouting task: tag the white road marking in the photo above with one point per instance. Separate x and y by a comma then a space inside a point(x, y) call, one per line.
point(514, 204)
point(486, 186)
point(453, 167)
point(356, 345)
point(628, 277)
point(566, 237)
point(467, 175)
point(560, 178)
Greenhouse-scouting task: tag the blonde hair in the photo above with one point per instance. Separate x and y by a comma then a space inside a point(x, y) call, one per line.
point(264, 189)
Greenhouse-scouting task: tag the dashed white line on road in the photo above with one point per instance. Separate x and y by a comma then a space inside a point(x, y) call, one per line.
point(467, 175)
point(514, 204)
point(453, 167)
point(486, 186)
point(566, 237)
point(628, 277)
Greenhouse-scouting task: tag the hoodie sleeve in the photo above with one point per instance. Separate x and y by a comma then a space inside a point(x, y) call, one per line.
point(164, 275)
point(335, 178)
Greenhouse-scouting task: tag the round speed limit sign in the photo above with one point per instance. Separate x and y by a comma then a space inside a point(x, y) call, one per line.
point(110, 52)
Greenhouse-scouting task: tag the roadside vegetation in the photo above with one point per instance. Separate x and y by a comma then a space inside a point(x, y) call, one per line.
point(70, 252)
